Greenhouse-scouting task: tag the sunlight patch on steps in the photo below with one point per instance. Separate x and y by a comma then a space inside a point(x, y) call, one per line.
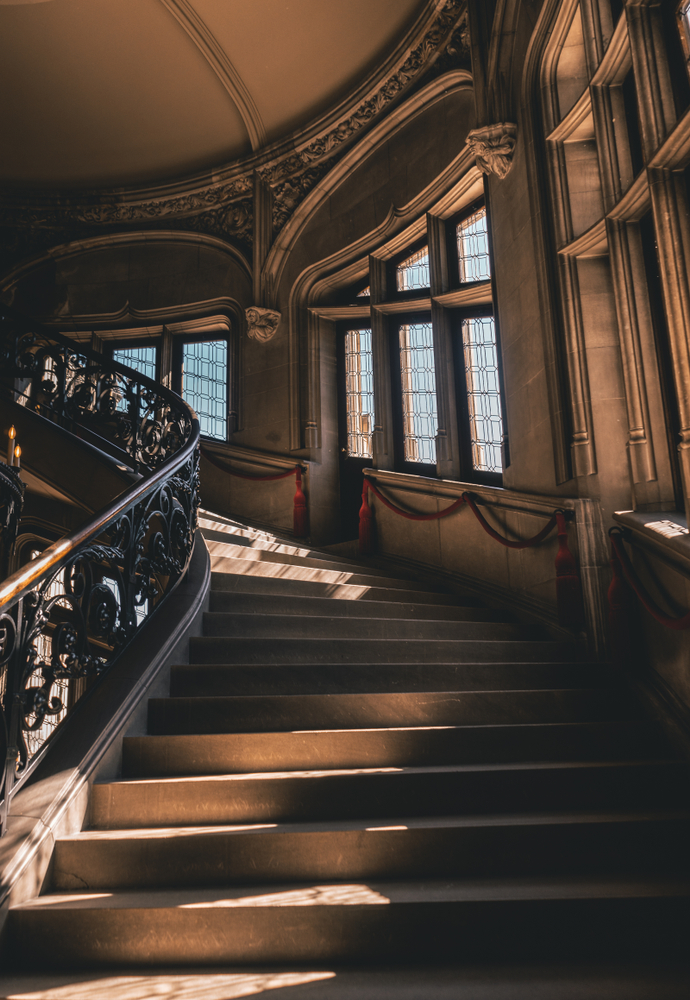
point(168, 832)
point(349, 593)
point(230, 550)
point(190, 780)
point(180, 987)
point(261, 543)
point(318, 895)
point(278, 570)
point(380, 829)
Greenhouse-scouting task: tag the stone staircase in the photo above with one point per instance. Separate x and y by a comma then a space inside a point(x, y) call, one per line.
point(356, 770)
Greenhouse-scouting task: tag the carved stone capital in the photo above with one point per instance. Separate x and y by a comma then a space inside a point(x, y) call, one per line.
point(261, 323)
point(493, 147)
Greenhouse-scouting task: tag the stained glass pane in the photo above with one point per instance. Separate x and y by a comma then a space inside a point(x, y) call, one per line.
point(418, 377)
point(365, 293)
point(473, 248)
point(413, 272)
point(483, 394)
point(359, 393)
point(141, 359)
point(205, 384)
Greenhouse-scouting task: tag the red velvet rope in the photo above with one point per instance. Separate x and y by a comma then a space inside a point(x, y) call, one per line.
point(619, 554)
point(368, 485)
point(241, 475)
point(300, 519)
point(464, 499)
point(528, 543)
point(568, 589)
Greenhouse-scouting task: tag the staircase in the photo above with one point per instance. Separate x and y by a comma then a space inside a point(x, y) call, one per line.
point(356, 771)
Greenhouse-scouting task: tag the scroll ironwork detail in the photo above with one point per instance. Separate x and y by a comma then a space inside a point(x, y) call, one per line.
point(66, 617)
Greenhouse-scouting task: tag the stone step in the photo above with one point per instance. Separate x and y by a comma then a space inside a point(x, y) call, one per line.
point(283, 604)
point(351, 576)
point(243, 626)
point(278, 649)
point(454, 920)
point(289, 585)
point(233, 753)
point(391, 848)
point(224, 546)
point(632, 980)
point(379, 792)
point(215, 528)
point(210, 679)
point(270, 713)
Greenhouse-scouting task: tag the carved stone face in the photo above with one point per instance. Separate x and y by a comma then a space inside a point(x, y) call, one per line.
point(261, 323)
point(493, 147)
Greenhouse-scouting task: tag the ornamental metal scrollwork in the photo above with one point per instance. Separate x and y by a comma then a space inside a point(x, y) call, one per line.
point(75, 386)
point(89, 598)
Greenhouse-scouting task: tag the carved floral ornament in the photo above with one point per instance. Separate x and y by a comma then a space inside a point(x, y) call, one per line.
point(261, 323)
point(224, 207)
point(493, 147)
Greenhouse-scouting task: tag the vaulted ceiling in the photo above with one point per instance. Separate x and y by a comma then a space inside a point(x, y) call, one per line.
point(115, 92)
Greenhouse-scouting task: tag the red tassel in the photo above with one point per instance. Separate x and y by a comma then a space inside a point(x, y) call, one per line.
point(366, 523)
point(568, 589)
point(299, 511)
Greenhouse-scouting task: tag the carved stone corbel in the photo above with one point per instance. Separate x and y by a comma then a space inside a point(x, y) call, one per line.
point(261, 323)
point(493, 147)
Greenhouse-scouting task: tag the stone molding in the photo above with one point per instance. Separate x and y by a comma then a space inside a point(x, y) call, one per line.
point(493, 147)
point(220, 201)
point(261, 323)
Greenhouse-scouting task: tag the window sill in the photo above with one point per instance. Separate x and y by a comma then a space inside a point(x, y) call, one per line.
point(662, 533)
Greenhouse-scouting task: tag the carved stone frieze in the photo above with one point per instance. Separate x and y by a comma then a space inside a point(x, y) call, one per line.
point(222, 207)
point(262, 323)
point(493, 147)
point(326, 144)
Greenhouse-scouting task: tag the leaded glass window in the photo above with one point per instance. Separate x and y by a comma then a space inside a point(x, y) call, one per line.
point(141, 359)
point(413, 272)
point(205, 384)
point(359, 393)
point(473, 248)
point(483, 393)
point(418, 378)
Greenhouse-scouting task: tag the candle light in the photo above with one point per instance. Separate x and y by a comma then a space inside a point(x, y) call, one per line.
point(17, 457)
point(11, 435)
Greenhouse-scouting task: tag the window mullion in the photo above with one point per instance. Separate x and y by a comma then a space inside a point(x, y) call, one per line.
point(383, 439)
point(447, 442)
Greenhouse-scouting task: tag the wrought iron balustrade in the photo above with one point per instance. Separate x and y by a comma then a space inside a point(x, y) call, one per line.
point(11, 506)
point(78, 388)
point(66, 617)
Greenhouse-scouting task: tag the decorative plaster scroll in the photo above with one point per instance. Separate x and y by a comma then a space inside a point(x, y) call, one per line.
point(262, 323)
point(493, 147)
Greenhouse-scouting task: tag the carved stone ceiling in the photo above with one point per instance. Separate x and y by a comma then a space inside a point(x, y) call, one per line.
point(115, 92)
point(174, 114)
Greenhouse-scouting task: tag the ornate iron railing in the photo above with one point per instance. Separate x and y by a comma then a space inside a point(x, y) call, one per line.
point(66, 616)
point(82, 390)
point(11, 505)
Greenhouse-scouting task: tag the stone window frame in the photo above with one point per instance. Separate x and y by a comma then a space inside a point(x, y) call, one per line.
point(167, 337)
point(334, 304)
point(635, 43)
point(443, 304)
